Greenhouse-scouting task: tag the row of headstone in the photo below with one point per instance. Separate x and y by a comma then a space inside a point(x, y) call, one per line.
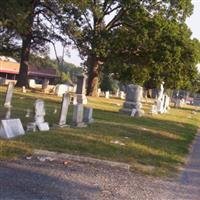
point(132, 105)
point(107, 95)
point(81, 116)
point(10, 128)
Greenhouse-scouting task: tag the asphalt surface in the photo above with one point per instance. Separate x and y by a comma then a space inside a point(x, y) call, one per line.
point(36, 180)
point(51, 180)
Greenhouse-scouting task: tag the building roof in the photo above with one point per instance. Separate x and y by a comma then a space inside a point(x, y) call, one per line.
point(9, 67)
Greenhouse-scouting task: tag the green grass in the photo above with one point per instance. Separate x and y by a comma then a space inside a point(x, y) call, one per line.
point(155, 145)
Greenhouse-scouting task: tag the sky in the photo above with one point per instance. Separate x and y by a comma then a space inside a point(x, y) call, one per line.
point(193, 22)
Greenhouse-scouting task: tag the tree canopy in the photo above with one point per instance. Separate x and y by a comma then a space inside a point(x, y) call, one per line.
point(136, 40)
point(139, 41)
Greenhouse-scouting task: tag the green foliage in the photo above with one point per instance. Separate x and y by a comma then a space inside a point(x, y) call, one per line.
point(108, 83)
point(67, 71)
point(141, 41)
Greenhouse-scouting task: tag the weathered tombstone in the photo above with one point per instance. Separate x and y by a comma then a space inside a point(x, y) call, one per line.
point(87, 116)
point(77, 120)
point(166, 103)
point(24, 89)
point(107, 94)
point(9, 95)
point(64, 110)
point(133, 101)
point(99, 92)
point(122, 95)
point(160, 100)
point(133, 112)
point(80, 90)
point(117, 93)
point(39, 115)
point(32, 83)
point(8, 113)
point(10, 128)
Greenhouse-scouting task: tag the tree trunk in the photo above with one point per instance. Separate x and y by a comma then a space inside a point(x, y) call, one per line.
point(93, 76)
point(22, 79)
point(27, 35)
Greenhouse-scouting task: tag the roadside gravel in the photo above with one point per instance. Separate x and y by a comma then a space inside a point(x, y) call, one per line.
point(36, 180)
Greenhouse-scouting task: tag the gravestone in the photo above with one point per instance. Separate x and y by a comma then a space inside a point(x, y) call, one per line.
point(24, 89)
point(133, 101)
point(77, 120)
point(160, 100)
point(87, 116)
point(9, 95)
point(117, 93)
point(122, 95)
point(39, 116)
point(166, 103)
point(107, 94)
point(10, 128)
point(8, 113)
point(80, 90)
point(32, 83)
point(64, 109)
point(99, 92)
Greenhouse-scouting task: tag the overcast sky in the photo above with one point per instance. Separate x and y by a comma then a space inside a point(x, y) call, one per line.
point(193, 22)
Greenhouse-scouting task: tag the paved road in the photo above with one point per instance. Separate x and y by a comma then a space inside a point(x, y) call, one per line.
point(36, 180)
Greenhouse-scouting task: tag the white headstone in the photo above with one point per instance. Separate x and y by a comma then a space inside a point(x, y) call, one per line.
point(107, 94)
point(9, 94)
point(77, 119)
point(87, 117)
point(61, 89)
point(122, 95)
point(133, 112)
point(99, 92)
point(32, 83)
point(8, 113)
point(39, 115)
point(10, 128)
point(64, 110)
point(43, 126)
point(24, 89)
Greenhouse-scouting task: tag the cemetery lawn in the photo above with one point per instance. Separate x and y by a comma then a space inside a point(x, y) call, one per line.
point(155, 145)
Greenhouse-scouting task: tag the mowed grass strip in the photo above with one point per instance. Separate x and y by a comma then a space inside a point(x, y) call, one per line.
point(155, 145)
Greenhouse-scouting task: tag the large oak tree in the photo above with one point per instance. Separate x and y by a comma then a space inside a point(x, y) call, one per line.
point(98, 27)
